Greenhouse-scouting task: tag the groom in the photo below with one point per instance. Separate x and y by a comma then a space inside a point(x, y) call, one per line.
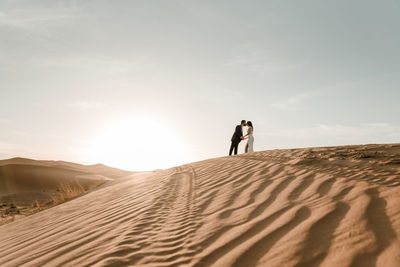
point(237, 137)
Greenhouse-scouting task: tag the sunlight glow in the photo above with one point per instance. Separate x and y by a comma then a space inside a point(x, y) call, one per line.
point(138, 145)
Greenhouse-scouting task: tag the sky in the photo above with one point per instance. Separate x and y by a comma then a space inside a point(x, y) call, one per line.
point(150, 84)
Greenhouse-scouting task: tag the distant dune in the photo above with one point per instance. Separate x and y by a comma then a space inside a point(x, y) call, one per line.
point(334, 206)
point(28, 186)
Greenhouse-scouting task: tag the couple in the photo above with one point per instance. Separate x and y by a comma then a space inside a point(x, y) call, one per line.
point(238, 137)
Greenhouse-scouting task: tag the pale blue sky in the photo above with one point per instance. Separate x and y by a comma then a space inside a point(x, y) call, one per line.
point(307, 73)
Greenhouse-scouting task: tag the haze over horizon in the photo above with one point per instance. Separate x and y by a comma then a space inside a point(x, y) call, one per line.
point(143, 85)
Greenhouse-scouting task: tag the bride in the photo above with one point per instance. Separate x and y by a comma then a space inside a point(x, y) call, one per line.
point(249, 135)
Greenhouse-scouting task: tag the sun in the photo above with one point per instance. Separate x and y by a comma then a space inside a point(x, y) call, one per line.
point(138, 144)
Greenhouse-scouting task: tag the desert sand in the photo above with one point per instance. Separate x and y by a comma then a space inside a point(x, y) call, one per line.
point(334, 206)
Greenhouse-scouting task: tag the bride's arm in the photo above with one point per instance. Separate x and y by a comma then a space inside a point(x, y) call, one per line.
point(247, 135)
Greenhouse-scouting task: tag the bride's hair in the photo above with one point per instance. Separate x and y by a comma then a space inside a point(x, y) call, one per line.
point(249, 123)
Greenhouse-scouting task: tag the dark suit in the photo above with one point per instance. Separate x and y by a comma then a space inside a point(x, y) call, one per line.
point(236, 139)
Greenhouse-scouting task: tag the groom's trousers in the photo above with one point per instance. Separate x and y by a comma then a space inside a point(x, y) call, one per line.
point(234, 146)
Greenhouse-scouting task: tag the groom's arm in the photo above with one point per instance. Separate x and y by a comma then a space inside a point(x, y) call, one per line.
point(239, 132)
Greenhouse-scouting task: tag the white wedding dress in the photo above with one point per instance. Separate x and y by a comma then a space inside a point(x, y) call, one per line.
point(250, 141)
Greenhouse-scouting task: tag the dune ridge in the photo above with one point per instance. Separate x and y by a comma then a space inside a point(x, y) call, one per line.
point(333, 206)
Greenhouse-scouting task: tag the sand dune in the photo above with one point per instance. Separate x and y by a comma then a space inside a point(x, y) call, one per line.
point(27, 186)
point(337, 206)
point(92, 169)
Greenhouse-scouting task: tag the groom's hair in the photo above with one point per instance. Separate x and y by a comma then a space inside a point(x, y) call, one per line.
point(243, 121)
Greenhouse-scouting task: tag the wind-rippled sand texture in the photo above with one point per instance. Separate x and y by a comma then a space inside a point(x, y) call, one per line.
point(337, 206)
